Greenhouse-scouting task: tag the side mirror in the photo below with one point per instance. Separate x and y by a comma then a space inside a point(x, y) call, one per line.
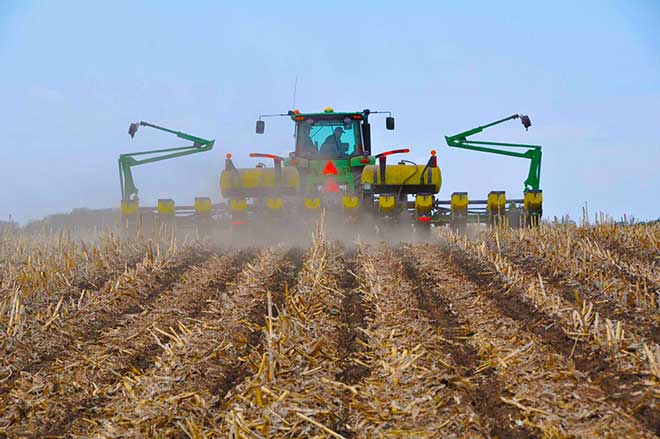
point(389, 123)
point(366, 137)
point(261, 126)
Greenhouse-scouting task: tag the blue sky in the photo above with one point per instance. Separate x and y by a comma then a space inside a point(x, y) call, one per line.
point(75, 73)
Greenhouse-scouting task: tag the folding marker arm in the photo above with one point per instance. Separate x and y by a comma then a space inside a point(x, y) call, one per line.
point(126, 161)
point(533, 152)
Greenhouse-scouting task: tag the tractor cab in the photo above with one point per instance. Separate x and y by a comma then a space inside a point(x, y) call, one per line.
point(331, 149)
point(330, 135)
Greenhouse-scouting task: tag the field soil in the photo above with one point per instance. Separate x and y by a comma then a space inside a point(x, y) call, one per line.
point(551, 332)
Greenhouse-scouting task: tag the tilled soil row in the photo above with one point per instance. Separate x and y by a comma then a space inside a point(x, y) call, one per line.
point(51, 283)
point(539, 381)
point(581, 264)
point(632, 391)
point(636, 273)
point(415, 388)
point(291, 390)
point(353, 317)
point(50, 279)
point(279, 282)
point(643, 322)
point(47, 402)
point(485, 389)
point(181, 392)
point(124, 294)
point(574, 311)
point(351, 337)
point(635, 242)
point(110, 259)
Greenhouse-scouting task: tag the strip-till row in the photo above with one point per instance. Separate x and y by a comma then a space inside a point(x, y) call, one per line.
point(435, 350)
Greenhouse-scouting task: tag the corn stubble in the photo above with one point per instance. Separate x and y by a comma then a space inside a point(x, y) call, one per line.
point(551, 332)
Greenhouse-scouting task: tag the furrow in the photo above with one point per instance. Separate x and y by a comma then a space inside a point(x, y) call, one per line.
point(200, 365)
point(48, 288)
point(579, 263)
point(416, 388)
point(644, 321)
point(354, 314)
point(466, 356)
point(622, 378)
point(48, 401)
point(279, 281)
point(291, 389)
point(351, 368)
point(636, 242)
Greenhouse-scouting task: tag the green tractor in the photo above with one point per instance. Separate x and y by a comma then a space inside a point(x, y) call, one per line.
point(333, 168)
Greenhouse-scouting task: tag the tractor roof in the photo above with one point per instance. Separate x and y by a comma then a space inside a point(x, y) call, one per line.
point(328, 113)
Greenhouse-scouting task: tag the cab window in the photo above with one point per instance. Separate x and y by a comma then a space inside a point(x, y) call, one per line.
point(328, 138)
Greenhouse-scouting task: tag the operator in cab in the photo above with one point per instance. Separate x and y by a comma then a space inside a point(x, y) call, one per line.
point(333, 147)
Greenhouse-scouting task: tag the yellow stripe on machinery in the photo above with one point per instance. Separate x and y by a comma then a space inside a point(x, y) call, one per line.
point(235, 183)
point(312, 203)
point(406, 175)
point(386, 203)
point(166, 207)
point(203, 205)
point(496, 202)
point(237, 204)
point(423, 203)
point(350, 202)
point(274, 203)
point(459, 202)
point(129, 208)
point(533, 200)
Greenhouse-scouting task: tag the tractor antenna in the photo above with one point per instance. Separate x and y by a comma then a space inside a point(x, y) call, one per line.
point(295, 89)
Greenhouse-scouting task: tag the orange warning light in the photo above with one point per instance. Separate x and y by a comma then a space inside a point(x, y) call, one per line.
point(228, 155)
point(433, 152)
